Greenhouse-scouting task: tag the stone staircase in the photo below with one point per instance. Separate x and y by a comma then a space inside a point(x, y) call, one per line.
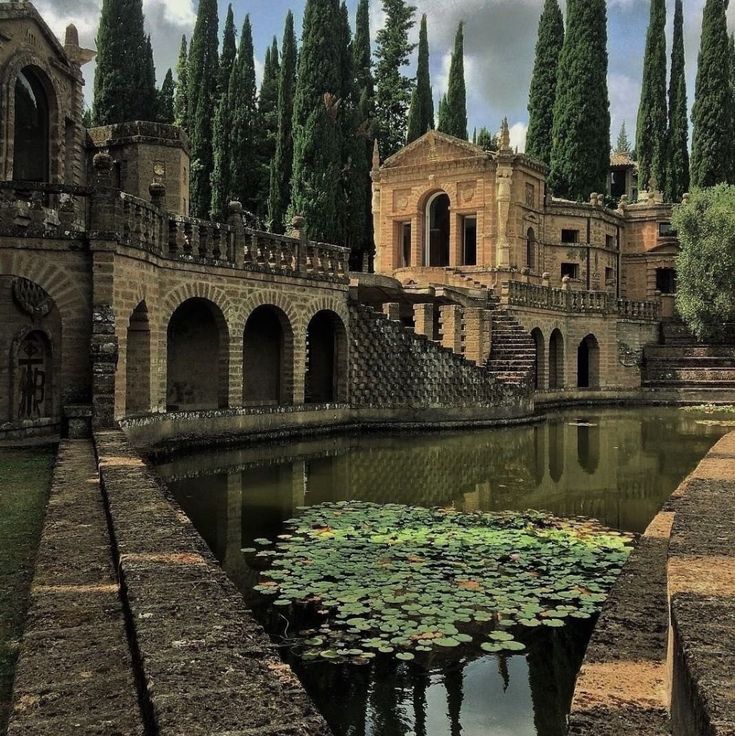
point(681, 363)
point(513, 352)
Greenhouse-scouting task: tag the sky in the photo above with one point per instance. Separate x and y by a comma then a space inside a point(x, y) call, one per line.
point(500, 36)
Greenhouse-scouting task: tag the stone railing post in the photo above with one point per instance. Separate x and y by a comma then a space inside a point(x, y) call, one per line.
point(298, 230)
point(423, 319)
point(235, 250)
point(451, 322)
point(105, 199)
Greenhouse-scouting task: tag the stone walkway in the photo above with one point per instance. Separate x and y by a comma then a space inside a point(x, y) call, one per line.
point(75, 673)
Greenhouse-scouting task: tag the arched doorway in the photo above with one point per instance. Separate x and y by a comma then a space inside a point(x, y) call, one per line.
point(32, 128)
point(267, 370)
point(436, 238)
point(588, 363)
point(538, 338)
point(197, 350)
point(556, 360)
point(531, 249)
point(138, 362)
point(326, 359)
point(32, 384)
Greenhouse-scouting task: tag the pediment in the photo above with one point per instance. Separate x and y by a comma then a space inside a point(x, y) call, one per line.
point(36, 36)
point(668, 248)
point(434, 147)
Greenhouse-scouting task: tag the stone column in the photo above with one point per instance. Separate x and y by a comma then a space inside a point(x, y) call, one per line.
point(455, 239)
point(417, 242)
point(451, 321)
point(423, 319)
point(478, 329)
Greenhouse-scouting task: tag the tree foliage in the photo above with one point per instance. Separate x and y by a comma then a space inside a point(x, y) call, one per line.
point(453, 119)
point(623, 142)
point(268, 110)
point(706, 262)
point(125, 80)
point(652, 128)
point(677, 175)
point(281, 167)
point(203, 79)
point(181, 99)
point(165, 103)
point(393, 88)
point(713, 145)
point(580, 155)
point(421, 112)
point(542, 95)
point(229, 53)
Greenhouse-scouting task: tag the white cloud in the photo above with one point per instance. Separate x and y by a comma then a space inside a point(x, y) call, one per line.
point(518, 133)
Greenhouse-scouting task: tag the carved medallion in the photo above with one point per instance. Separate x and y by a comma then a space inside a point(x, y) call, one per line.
point(31, 298)
point(400, 199)
point(466, 191)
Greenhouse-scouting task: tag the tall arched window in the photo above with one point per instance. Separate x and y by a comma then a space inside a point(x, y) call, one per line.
point(32, 127)
point(531, 248)
point(436, 239)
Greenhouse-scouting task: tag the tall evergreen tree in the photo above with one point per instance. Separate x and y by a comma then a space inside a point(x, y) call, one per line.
point(441, 116)
point(677, 175)
point(203, 78)
point(623, 142)
point(166, 99)
point(181, 100)
point(421, 113)
point(455, 110)
point(125, 81)
point(580, 155)
point(361, 194)
point(221, 155)
point(712, 116)
point(280, 172)
point(393, 89)
point(543, 83)
point(651, 131)
point(268, 109)
point(317, 160)
point(245, 129)
point(486, 140)
point(229, 53)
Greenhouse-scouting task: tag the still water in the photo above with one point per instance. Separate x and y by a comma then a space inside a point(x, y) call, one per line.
point(615, 465)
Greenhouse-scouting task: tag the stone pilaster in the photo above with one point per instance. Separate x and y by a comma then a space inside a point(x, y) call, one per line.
point(423, 319)
point(451, 321)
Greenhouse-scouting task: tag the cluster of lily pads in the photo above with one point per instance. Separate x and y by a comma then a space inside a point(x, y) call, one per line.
point(398, 580)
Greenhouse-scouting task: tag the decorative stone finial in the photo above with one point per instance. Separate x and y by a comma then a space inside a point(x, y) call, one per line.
point(685, 198)
point(505, 136)
point(72, 36)
point(157, 190)
point(376, 155)
point(298, 222)
point(600, 200)
point(593, 198)
point(102, 161)
point(235, 207)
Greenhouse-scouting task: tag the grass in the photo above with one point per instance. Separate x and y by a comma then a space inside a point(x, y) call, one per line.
point(25, 475)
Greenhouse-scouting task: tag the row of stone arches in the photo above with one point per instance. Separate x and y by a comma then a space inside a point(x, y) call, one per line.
point(551, 364)
point(199, 358)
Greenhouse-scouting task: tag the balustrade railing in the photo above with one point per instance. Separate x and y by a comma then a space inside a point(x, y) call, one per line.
point(520, 294)
point(40, 209)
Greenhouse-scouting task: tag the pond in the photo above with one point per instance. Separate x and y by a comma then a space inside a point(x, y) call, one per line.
point(614, 465)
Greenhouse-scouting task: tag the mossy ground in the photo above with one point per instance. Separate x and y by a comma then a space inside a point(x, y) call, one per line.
point(25, 476)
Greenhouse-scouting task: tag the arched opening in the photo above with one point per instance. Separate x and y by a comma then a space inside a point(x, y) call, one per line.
point(540, 363)
point(31, 149)
point(436, 244)
point(326, 359)
point(267, 358)
point(588, 363)
point(138, 362)
point(32, 373)
point(556, 360)
point(531, 249)
point(197, 350)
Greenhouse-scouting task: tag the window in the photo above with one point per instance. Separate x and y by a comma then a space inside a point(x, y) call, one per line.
point(666, 280)
point(609, 275)
point(469, 240)
point(531, 248)
point(405, 231)
point(617, 184)
point(665, 230)
point(570, 269)
point(530, 195)
point(570, 236)
point(610, 242)
point(32, 126)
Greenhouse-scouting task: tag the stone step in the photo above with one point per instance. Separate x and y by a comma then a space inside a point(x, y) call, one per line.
point(690, 351)
point(706, 362)
point(691, 374)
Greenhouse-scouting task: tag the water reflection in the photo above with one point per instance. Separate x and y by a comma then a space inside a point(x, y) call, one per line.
point(618, 466)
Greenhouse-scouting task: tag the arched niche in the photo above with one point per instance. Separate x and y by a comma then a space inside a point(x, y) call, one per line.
point(31, 127)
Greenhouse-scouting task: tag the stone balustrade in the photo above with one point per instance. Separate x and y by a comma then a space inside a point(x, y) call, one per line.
point(33, 209)
point(200, 240)
point(519, 294)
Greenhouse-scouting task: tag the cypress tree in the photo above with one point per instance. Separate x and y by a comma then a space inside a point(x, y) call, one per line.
point(542, 95)
point(221, 151)
point(580, 155)
point(181, 100)
point(245, 128)
point(229, 53)
point(421, 114)
point(651, 131)
point(315, 181)
point(712, 116)
point(486, 140)
point(677, 176)
point(455, 108)
point(166, 100)
point(268, 108)
point(125, 80)
point(393, 89)
point(280, 172)
point(623, 143)
point(441, 117)
point(202, 83)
